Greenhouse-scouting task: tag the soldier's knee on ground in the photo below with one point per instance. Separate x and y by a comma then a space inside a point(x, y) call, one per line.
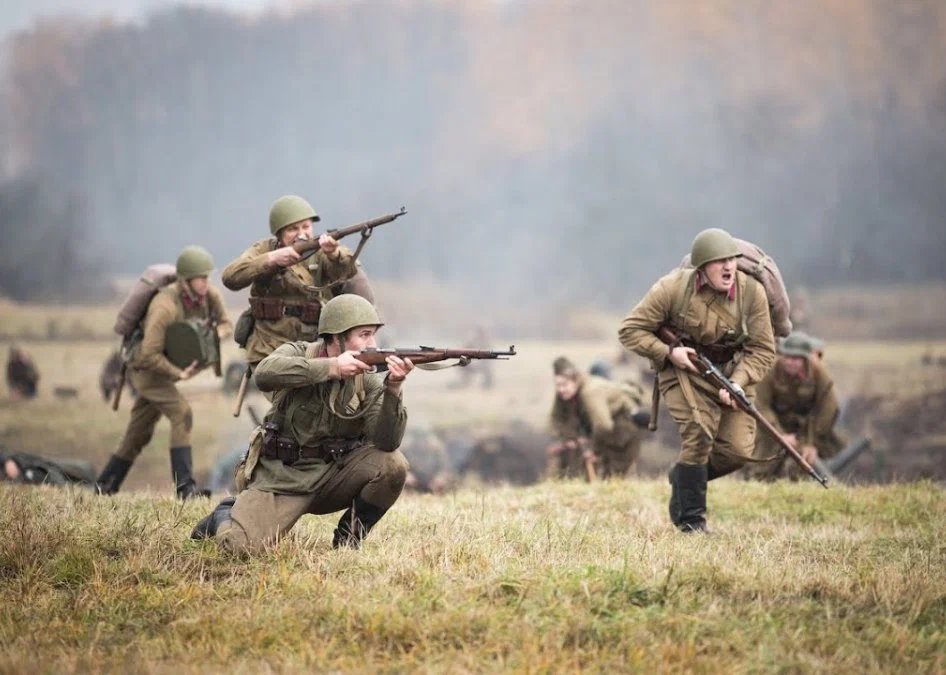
point(233, 539)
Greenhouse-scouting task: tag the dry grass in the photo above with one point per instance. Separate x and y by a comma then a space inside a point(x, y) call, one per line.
point(560, 577)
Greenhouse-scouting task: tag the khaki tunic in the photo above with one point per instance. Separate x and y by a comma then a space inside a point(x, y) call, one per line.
point(710, 317)
point(601, 411)
point(153, 376)
point(806, 406)
point(277, 494)
point(291, 284)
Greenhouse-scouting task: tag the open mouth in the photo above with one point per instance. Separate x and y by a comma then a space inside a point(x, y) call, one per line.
point(727, 277)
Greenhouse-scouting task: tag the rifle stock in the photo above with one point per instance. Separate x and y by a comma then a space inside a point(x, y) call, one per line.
point(308, 247)
point(420, 355)
point(709, 372)
point(121, 385)
point(241, 394)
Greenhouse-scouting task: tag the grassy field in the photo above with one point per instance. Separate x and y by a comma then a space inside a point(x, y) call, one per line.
point(561, 577)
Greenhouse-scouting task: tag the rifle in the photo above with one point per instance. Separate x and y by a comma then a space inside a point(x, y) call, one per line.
point(121, 385)
point(308, 247)
point(709, 372)
point(840, 461)
point(587, 456)
point(241, 394)
point(423, 355)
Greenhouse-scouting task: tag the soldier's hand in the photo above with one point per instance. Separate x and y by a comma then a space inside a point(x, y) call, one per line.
point(791, 439)
point(680, 357)
point(328, 245)
point(809, 453)
point(727, 400)
point(398, 370)
point(284, 257)
point(349, 365)
point(190, 371)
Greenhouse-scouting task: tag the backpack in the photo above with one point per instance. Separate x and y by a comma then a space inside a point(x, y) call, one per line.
point(757, 264)
point(133, 310)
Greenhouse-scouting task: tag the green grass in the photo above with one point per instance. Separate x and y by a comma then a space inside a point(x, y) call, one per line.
point(560, 577)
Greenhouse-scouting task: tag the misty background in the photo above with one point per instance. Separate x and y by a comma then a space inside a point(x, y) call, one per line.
point(551, 153)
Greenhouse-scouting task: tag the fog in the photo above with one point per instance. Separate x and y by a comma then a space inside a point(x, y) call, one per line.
point(548, 152)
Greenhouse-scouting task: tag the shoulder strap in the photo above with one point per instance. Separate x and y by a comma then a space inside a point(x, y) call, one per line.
point(681, 301)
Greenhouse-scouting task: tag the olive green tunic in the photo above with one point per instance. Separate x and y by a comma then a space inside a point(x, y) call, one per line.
point(291, 284)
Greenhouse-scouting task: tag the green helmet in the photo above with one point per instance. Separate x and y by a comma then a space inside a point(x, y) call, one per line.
point(796, 344)
point(194, 261)
point(713, 244)
point(288, 210)
point(345, 312)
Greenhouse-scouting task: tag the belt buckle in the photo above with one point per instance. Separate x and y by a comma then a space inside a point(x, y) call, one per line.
point(336, 453)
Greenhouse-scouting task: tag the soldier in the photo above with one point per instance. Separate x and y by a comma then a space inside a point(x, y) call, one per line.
point(286, 295)
point(22, 375)
point(798, 397)
point(153, 375)
point(591, 408)
point(725, 313)
point(330, 441)
point(22, 467)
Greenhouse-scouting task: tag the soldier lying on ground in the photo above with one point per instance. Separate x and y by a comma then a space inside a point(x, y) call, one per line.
point(726, 314)
point(798, 397)
point(605, 414)
point(23, 467)
point(22, 375)
point(330, 441)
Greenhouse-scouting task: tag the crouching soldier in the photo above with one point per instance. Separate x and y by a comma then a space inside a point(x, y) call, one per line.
point(330, 441)
point(593, 415)
point(798, 397)
point(189, 299)
point(725, 315)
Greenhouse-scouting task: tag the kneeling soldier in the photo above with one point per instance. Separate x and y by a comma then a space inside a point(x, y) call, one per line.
point(798, 397)
point(725, 314)
point(330, 441)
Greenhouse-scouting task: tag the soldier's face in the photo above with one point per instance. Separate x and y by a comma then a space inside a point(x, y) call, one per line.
point(793, 365)
point(565, 387)
point(199, 286)
point(301, 230)
point(11, 469)
point(361, 337)
point(721, 274)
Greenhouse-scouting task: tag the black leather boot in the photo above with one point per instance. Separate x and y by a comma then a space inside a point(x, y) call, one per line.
point(356, 523)
point(691, 492)
point(181, 474)
point(112, 476)
point(206, 527)
point(674, 506)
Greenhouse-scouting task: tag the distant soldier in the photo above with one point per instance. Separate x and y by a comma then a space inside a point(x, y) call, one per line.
point(798, 397)
point(430, 469)
point(330, 441)
point(190, 298)
point(287, 293)
point(726, 313)
point(594, 420)
point(23, 467)
point(22, 375)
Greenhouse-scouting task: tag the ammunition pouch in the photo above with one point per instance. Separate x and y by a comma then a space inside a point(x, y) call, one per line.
point(274, 309)
point(244, 328)
point(288, 451)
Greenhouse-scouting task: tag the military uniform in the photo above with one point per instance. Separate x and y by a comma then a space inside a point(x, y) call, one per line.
point(153, 376)
point(22, 375)
point(734, 330)
point(804, 405)
point(601, 411)
point(35, 470)
point(284, 295)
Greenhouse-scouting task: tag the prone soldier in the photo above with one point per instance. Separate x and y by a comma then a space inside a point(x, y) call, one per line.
point(330, 441)
point(153, 375)
point(798, 397)
point(725, 314)
point(597, 421)
point(22, 375)
point(30, 469)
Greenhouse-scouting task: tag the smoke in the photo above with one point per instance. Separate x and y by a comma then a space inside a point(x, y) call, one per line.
point(551, 153)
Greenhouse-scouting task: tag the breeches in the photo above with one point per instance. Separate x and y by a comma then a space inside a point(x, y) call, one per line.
point(733, 431)
point(260, 518)
point(156, 397)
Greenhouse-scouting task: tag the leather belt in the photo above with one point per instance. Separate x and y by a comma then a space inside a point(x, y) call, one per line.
point(286, 450)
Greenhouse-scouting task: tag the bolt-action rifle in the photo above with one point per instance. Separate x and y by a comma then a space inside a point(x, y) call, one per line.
point(424, 355)
point(308, 247)
point(709, 372)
